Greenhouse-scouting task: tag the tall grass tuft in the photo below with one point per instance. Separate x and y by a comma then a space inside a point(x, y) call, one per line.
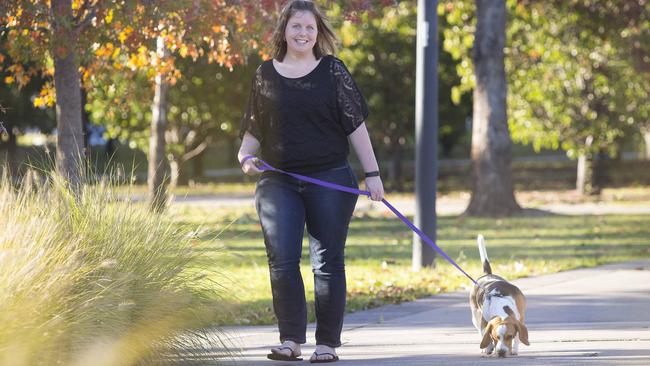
point(89, 278)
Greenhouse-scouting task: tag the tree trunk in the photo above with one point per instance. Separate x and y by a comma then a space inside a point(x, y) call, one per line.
point(646, 139)
point(601, 167)
point(584, 182)
point(175, 171)
point(85, 123)
point(110, 149)
point(156, 179)
point(492, 187)
point(586, 176)
point(69, 144)
point(179, 170)
point(233, 149)
point(182, 178)
point(197, 166)
point(12, 151)
point(396, 171)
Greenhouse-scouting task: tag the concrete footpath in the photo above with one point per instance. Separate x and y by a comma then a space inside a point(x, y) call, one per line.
point(598, 316)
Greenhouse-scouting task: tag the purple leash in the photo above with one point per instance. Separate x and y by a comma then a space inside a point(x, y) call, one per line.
point(265, 166)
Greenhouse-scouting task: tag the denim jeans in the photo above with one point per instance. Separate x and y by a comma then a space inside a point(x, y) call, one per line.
point(284, 205)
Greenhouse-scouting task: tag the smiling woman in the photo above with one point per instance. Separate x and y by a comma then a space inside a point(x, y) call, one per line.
point(303, 21)
point(301, 32)
point(303, 112)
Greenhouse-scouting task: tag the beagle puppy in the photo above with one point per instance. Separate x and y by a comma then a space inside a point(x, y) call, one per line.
point(498, 309)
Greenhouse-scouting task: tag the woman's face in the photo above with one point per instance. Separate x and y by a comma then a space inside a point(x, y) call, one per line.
point(301, 32)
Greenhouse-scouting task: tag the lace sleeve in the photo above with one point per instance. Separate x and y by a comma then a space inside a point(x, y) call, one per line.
point(352, 107)
point(250, 121)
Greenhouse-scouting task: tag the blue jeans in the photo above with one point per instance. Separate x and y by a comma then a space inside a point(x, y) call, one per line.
point(284, 205)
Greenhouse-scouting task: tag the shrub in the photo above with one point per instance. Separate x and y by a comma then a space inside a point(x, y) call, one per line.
point(90, 278)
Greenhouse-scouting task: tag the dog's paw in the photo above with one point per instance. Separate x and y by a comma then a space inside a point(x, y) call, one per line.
point(487, 352)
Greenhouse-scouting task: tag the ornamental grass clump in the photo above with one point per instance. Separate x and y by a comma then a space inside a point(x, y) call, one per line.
point(88, 278)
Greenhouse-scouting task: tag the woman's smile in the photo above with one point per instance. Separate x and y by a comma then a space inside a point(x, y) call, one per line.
point(301, 31)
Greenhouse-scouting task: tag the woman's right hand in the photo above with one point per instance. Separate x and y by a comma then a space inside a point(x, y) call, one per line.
point(375, 186)
point(251, 167)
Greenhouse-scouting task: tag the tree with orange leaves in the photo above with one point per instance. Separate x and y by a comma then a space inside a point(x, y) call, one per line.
point(70, 40)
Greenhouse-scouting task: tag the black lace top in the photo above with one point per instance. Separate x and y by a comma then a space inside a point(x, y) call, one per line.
point(302, 123)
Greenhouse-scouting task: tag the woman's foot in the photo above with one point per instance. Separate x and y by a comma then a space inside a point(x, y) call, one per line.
point(288, 351)
point(324, 354)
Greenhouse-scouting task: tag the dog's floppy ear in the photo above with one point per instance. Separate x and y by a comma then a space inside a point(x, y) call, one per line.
point(509, 311)
point(523, 332)
point(486, 336)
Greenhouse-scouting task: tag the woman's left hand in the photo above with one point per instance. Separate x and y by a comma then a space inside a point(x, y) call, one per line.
point(375, 187)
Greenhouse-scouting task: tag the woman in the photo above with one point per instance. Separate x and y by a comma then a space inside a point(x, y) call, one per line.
point(303, 108)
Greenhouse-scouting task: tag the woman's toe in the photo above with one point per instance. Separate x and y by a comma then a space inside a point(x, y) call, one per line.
point(323, 353)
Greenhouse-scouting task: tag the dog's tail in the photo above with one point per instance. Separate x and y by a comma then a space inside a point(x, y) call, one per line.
point(483, 252)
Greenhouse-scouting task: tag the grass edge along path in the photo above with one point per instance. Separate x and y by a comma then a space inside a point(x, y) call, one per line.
point(378, 254)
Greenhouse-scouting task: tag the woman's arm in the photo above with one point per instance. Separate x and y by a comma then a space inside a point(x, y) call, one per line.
point(249, 146)
point(363, 148)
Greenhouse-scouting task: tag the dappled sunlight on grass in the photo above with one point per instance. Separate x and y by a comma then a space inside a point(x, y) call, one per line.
point(201, 189)
point(378, 254)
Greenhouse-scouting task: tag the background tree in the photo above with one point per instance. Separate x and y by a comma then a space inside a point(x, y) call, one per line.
point(54, 36)
point(229, 36)
point(492, 185)
point(204, 108)
point(242, 27)
point(47, 34)
point(156, 195)
point(18, 114)
point(454, 109)
point(82, 25)
point(17, 111)
point(130, 28)
point(220, 26)
point(380, 52)
point(644, 128)
point(577, 73)
point(590, 93)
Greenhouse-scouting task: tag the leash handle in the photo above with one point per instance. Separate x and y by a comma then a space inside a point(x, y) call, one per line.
point(264, 166)
point(246, 158)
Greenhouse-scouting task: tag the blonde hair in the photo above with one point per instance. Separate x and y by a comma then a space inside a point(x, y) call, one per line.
point(326, 41)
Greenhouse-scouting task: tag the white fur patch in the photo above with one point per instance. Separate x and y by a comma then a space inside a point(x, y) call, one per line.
point(501, 346)
point(481, 248)
point(515, 345)
point(501, 331)
point(494, 304)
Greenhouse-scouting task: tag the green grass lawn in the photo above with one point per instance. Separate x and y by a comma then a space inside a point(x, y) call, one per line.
point(378, 254)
